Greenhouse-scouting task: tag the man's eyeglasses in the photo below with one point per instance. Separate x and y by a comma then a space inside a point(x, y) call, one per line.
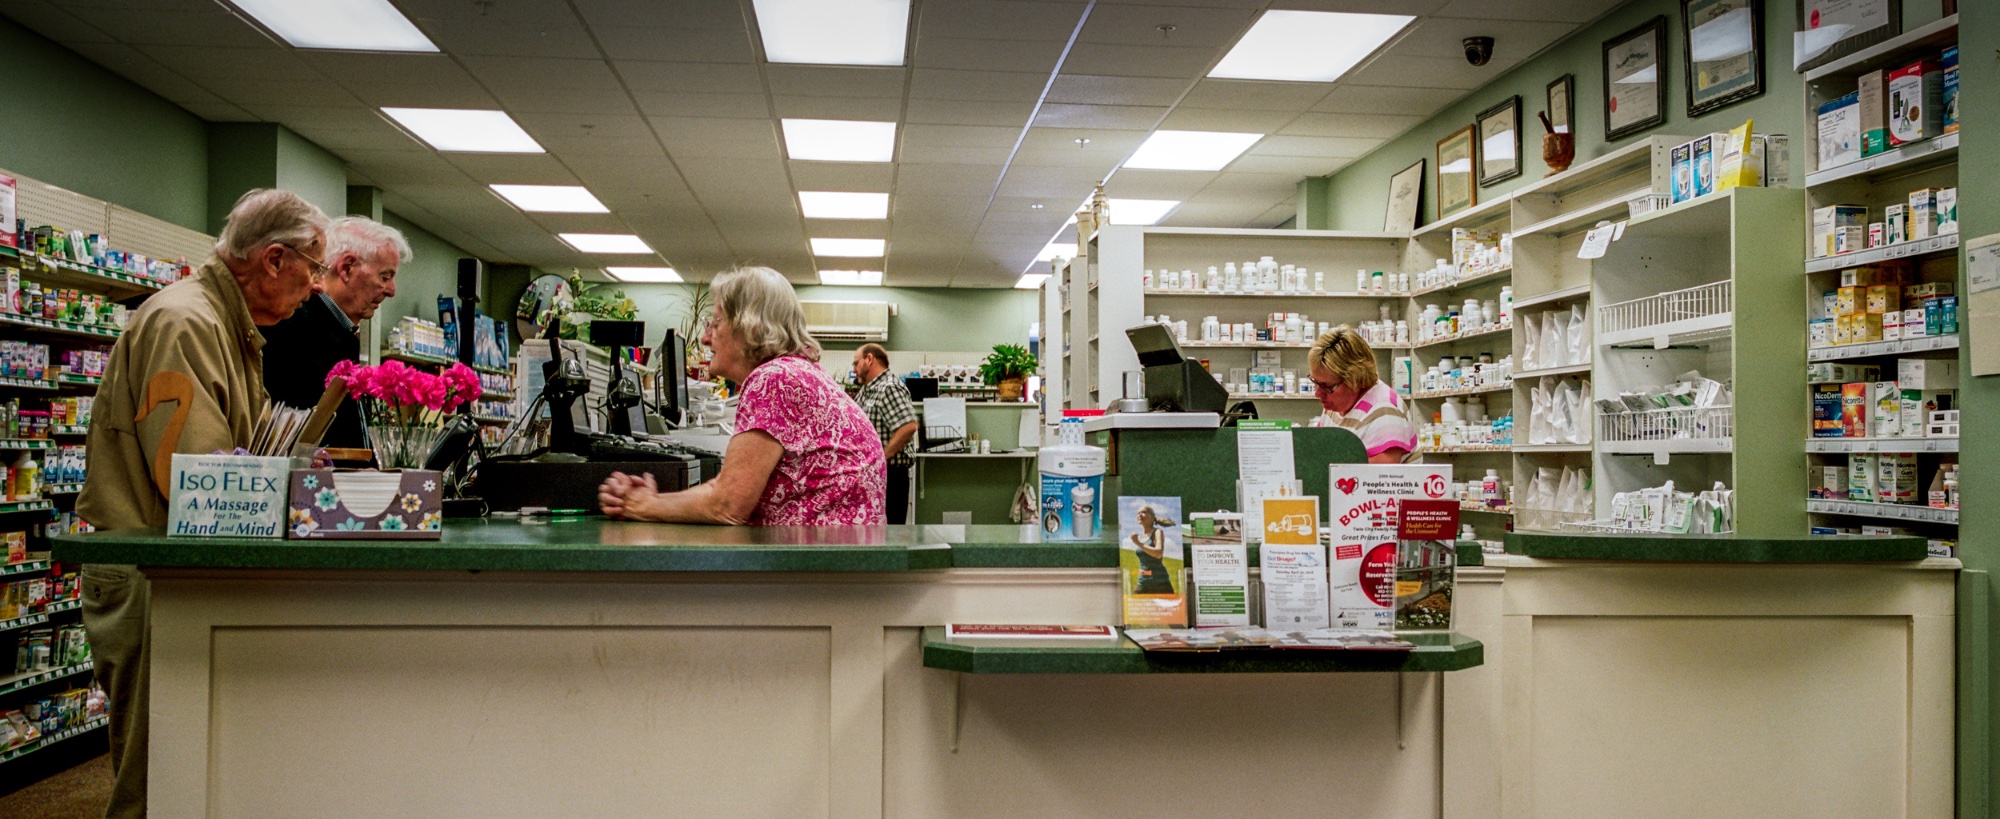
point(319, 268)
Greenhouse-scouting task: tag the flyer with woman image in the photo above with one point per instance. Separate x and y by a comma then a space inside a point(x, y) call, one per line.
point(1150, 560)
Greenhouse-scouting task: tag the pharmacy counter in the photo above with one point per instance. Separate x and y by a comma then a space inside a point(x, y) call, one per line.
point(595, 668)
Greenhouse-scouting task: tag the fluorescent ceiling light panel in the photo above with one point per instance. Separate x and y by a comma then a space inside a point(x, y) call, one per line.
point(851, 278)
point(1307, 46)
point(1065, 250)
point(471, 131)
point(840, 140)
point(840, 205)
point(857, 248)
point(606, 242)
point(1191, 150)
point(551, 198)
point(644, 275)
point(344, 25)
point(833, 32)
point(1031, 281)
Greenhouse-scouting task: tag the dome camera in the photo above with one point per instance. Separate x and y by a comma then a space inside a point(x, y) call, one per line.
point(1478, 50)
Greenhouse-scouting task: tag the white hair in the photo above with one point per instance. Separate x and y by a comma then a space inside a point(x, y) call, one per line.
point(365, 237)
point(269, 216)
point(763, 309)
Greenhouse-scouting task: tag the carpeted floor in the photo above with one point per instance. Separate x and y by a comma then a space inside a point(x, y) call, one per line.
point(78, 793)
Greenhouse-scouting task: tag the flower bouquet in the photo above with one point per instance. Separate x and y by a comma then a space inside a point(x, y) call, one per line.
point(406, 409)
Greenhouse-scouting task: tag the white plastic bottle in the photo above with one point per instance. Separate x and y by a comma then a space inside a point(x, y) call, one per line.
point(1319, 281)
point(1230, 283)
point(1072, 483)
point(1506, 303)
point(1267, 273)
point(1214, 280)
point(1489, 488)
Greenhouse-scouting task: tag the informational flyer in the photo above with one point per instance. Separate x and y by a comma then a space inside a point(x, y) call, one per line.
point(1264, 468)
point(1294, 565)
point(1221, 584)
point(1150, 561)
point(1363, 510)
point(1426, 564)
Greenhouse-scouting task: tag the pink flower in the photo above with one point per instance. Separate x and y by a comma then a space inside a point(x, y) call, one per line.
point(342, 370)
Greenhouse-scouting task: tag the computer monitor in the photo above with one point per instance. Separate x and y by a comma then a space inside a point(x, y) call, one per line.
point(670, 388)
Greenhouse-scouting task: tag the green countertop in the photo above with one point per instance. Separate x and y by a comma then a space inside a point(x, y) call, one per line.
point(1718, 548)
point(581, 545)
point(1434, 652)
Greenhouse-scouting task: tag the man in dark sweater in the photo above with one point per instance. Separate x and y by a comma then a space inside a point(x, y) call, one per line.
point(362, 256)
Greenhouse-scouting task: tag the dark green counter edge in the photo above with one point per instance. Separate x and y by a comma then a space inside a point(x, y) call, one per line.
point(1718, 548)
point(1434, 652)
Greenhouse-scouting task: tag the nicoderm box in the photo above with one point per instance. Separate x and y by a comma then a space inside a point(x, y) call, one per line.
point(1840, 131)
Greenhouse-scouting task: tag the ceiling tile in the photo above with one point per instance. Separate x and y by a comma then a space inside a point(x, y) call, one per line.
point(1221, 119)
point(832, 81)
point(51, 20)
point(1092, 89)
point(513, 169)
point(1350, 125)
point(1141, 61)
point(604, 147)
point(566, 100)
point(670, 104)
point(998, 19)
point(219, 112)
point(946, 180)
point(1382, 99)
point(584, 126)
point(1140, 25)
point(675, 45)
point(539, 72)
point(1444, 37)
point(1577, 11)
point(1430, 72)
point(146, 71)
point(408, 167)
point(1313, 146)
point(703, 138)
point(218, 67)
point(866, 177)
point(1132, 183)
point(875, 109)
point(492, 36)
point(681, 14)
point(1057, 184)
point(1253, 95)
point(1114, 117)
point(969, 135)
point(1300, 166)
point(209, 23)
point(683, 78)
point(990, 86)
point(1038, 56)
point(962, 112)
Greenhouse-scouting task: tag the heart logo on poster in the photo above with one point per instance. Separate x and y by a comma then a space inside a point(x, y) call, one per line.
point(1348, 485)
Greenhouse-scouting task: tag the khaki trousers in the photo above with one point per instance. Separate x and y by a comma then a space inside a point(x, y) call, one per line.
point(117, 603)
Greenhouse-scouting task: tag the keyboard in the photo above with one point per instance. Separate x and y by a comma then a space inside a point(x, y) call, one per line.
point(615, 448)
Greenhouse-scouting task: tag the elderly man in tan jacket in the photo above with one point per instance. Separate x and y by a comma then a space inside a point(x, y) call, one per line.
point(186, 376)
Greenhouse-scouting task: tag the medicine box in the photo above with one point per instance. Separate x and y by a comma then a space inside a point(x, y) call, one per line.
point(1897, 218)
point(1840, 131)
point(1947, 313)
point(1916, 102)
point(1707, 152)
point(1913, 323)
point(1829, 482)
point(1947, 211)
point(1828, 220)
point(1896, 481)
point(1892, 325)
point(1833, 372)
point(1878, 234)
point(1871, 92)
point(1923, 213)
point(1950, 93)
point(1917, 406)
point(1864, 276)
point(1681, 158)
point(1819, 333)
point(1918, 292)
point(1927, 374)
point(1885, 410)
point(1883, 298)
point(1867, 328)
point(1861, 476)
point(1777, 160)
point(1848, 301)
point(1826, 411)
point(1943, 424)
point(1854, 410)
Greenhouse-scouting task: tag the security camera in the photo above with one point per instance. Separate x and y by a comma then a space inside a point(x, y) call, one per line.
point(1478, 50)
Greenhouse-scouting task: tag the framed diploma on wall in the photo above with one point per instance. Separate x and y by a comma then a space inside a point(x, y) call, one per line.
point(1724, 54)
point(1457, 172)
point(1635, 81)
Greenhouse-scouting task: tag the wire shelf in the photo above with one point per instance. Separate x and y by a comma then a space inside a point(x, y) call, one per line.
point(1677, 316)
point(1685, 425)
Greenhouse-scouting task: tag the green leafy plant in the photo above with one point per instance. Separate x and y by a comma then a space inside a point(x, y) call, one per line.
point(1007, 361)
point(589, 302)
point(699, 302)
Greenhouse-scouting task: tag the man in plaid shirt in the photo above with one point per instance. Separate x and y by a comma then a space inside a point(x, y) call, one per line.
point(887, 403)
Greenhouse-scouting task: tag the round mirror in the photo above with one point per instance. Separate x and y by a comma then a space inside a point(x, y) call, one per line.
point(548, 295)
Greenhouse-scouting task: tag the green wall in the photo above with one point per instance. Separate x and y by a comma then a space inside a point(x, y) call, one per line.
point(1979, 450)
point(1360, 191)
point(72, 123)
point(431, 273)
point(928, 318)
point(246, 155)
point(311, 172)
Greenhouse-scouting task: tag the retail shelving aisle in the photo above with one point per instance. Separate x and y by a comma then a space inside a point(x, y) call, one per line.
point(1924, 257)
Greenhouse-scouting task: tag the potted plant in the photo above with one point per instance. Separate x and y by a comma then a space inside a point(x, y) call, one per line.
point(1008, 367)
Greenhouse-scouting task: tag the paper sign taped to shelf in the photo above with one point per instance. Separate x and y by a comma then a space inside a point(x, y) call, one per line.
point(1982, 304)
point(1596, 242)
point(1982, 264)
point(1618, 230)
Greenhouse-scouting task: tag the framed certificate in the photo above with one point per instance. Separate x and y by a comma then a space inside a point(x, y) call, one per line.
point(1500, 142)
point(1457, 156)
point(1831, 29)
point(1562, 105)
point(1635, 82)
point(1406, 192)
point(1725, 52)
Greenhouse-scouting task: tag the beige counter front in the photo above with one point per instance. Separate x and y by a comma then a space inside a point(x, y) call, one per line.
point(308, 687)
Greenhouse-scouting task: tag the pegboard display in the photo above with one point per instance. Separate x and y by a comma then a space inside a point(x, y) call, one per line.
point(124, 229)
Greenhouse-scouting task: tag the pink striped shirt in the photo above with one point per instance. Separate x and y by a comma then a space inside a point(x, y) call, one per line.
point(1379, 420)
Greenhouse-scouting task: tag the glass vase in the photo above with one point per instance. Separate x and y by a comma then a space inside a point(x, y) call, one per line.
point(402, 447)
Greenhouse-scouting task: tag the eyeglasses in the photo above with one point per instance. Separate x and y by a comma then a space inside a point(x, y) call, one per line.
point(319, 268)
point(1324, 387)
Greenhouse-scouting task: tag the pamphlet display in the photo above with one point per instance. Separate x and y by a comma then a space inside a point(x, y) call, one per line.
point(1294, 565)
point(1264, 468)
point(1150, 562)
point(1426, 564)
point(1221, 575)
point(1364, 511)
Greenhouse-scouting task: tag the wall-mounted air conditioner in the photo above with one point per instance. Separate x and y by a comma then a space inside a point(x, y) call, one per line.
point(848, 320)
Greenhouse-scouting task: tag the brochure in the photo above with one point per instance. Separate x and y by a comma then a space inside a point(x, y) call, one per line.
point(1255, 639)
point(1363, 512)
point(1293, 565)
point(1150, 562)
point(1221, 574)
point(1426, 564)
point(1264, 468)
point(988, 631)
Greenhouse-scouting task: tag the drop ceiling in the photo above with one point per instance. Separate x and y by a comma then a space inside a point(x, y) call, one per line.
point(665, 110)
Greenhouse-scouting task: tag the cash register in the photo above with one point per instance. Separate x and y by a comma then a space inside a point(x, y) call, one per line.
point(565, 475)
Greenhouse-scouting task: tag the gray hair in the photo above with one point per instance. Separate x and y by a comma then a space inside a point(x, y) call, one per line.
point(365, 237)
point(763, 309)
point(269, 216)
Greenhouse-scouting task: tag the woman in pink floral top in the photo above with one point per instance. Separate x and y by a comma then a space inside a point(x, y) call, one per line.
point(803, 453)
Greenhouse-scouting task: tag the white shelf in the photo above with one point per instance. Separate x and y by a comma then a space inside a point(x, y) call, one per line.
point(1882, 348)
point(1474, 280)
point(1609, 210)
point(1468, 449)
point(1503, 386)
point(1885, 511)
point(23, 567)
point(1907, 159)
point(1535, 448)
point(16, 682)
point(1885, 253)
point(1881, 445)
point(1498, 329)
point(1672, 446)
point(50, 739)
point(1480, 215)
point(1480, 508)
point(1889, 51)
point(1573, 369)
point(1581, 291)
point(1683, 333)
point(1247, 345)
point(1271, 396)
point(1207, 295)
point(1689, 316)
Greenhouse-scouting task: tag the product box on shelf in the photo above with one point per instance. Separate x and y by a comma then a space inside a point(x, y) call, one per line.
point(1854, 410)
point(1739, 161)
point(1826, 421)
point(1819, 333)
point(1913, 323)
point(1828, 222)
point(9, 188)
point(1871, 93)
point(1943, 424)
point(1705, 151)
point(1896, 479)
point(238, 496)
point(1885, 409)
point(1883, 298)
point(1861, 476)
point(1682, 162)
point(329, 504)
point(1896, 218)
point(1892, 325)
point(1947, 211)
point(1923, 213)
point(1919, 404)
point(1916, 102)
point(1827, 482)
point(1927, 374)
point(1946, 312)
point(1949, 91)
point(1777, 160)
point(1878, 234)
point(1823, 372)
point(1840, 131)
